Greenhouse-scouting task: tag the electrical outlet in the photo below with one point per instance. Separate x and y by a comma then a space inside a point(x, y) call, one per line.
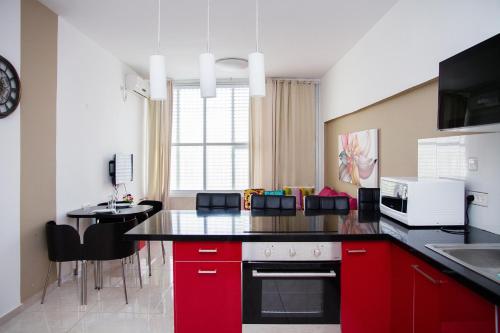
point(480, 198)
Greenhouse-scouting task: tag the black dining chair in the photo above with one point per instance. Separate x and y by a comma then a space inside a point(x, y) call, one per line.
point(63, 244)
point(218, 201)
point(320, 203)
point(157, 206)
point(369, 198)
point(273, 202)
point(103, 242)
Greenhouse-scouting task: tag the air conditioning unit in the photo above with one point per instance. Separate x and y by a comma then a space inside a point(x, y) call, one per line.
point(136, 84)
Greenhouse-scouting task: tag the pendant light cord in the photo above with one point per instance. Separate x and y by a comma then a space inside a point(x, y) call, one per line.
point(208, 26)
point(159, 27)
point(257, 24)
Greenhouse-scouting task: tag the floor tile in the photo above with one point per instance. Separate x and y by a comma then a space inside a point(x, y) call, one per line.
point(150, 309)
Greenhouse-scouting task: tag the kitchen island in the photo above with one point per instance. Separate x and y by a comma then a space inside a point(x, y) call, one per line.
point(390, 279)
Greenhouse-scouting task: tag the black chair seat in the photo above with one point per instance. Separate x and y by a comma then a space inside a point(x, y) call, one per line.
point(320, 203)
point(369, 198)
point(205, 201)
point(273, 202)
point(104, 241)
point(63, 242)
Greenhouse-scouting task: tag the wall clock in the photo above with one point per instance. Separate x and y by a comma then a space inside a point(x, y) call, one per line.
point(10, 88)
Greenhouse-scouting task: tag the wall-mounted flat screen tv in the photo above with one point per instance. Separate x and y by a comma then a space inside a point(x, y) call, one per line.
point(121, 169)
point(469, 89)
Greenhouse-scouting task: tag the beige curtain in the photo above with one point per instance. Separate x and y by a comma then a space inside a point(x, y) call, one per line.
point(283, 135)
point(159, 129)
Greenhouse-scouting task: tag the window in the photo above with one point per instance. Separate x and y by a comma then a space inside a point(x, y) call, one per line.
point(210, 140)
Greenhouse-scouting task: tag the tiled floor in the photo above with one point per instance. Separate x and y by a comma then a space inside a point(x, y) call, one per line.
point(149, 310)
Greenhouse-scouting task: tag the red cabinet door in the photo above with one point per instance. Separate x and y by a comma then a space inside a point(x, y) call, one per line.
point(425, 300)
point(207, 297)
point(427, 296)
point(365, 287)
point(465, 311)
point(401, 291)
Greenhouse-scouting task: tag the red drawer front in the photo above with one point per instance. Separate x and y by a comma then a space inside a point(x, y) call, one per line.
point(207, 297)
point(207, 251)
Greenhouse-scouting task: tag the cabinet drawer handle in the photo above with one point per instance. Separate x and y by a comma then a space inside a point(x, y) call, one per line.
point(200, 271)
point(424, 274)
point(207, 250)
point(356, 251)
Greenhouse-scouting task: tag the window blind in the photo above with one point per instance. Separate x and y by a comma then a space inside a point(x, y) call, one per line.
point(210, 140)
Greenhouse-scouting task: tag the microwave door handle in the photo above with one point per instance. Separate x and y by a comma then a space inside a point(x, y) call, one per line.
point(330, 274)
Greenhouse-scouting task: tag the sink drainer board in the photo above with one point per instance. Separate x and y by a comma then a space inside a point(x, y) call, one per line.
point(483, 258)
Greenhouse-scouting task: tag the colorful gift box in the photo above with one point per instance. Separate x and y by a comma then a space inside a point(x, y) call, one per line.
point(299, 192)
point(247, 196)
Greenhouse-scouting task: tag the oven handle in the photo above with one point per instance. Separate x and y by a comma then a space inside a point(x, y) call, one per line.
point(330, 274)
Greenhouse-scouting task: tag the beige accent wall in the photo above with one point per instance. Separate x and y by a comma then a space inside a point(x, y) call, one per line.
point(182, 203)
point(401, 120)
point(38, 140)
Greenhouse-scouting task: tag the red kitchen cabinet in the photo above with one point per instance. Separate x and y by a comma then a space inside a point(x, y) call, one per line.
point(207, 294)
point(401, 291)
point(207, 251)
point(427, 297)
point(464, 310)
point(365, 287)
point(424, 300)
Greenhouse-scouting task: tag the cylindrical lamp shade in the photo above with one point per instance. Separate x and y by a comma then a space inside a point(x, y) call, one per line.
point(157, 78)
point(207, 75)
point(256, 74)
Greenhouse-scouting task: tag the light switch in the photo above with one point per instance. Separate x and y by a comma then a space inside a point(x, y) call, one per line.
point(473, 164)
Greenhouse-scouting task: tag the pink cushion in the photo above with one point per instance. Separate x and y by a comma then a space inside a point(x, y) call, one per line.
point(353, 203)
point(326, 192)
point(329, 192)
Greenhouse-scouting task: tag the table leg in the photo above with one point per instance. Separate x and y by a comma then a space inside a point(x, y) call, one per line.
point(148, 243)
point(101, 279)
point(75, 271)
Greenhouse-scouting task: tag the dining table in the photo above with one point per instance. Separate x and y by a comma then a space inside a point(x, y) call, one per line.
point(121, 213)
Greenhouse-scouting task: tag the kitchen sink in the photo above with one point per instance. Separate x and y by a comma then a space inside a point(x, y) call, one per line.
point(481, 258)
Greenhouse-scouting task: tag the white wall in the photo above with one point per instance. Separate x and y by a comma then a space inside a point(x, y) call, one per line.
point(93, 122)
point(404, 49)
point(447, 157)
point(10, 167)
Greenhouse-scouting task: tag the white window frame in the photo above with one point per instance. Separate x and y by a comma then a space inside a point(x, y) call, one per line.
point(204, 144)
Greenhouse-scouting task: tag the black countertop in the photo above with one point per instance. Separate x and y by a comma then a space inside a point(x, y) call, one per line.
point(185, 225)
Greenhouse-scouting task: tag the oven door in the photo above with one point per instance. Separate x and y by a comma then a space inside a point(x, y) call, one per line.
point(291, 292)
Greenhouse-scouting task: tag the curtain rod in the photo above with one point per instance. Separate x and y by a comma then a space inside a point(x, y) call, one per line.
point(296, 79)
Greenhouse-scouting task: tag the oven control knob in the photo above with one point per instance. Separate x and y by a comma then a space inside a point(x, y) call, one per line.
point(292, 253)
point(267, 252)
point(317, 252)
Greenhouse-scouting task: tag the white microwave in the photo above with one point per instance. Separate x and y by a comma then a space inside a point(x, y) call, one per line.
point(423, 201)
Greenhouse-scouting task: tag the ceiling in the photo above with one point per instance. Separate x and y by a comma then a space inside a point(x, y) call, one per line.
point(300, 38)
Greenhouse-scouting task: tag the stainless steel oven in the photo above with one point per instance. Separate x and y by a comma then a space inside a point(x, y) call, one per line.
point(291, 283)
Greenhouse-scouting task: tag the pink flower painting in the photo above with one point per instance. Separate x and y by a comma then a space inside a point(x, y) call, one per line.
point(358, 158)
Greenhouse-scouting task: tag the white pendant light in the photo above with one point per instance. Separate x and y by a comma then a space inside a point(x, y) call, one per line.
point(256, 67)
point(207, 66)
point(157, 71)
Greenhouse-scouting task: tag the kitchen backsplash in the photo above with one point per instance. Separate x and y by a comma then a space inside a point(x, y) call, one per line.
point(474, 159)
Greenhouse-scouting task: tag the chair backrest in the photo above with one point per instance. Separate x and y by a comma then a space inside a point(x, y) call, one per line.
point(275, 202)
point(157, 206)
point(316, 202)
point(369, 198)
point(104, 241)
point(63, 242)
point(218, 201)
